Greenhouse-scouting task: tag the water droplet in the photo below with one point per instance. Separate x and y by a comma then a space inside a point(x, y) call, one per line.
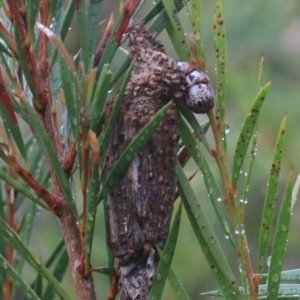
point(158, 277)
point(206, 250)
point(166, 259)
point(197, 36)
point(196, 215)
point(226, 237)
point(238, 161)
point(240, 229)
point(240, 268)
point(275, 278)
point(212, 240)
point(227, 128)
point(283, 228)
point(221, 94)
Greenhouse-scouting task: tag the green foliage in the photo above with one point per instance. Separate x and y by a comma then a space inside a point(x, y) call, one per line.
point(43, 162)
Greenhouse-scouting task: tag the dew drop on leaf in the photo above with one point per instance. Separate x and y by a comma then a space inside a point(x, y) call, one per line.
point(158, 277)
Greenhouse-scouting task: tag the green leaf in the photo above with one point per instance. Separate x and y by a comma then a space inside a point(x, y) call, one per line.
point(221, 62)
point(248, 174)
point(6, 66)
point(176, 32)
point(99, 100)
point(14, 239)
point(280, 240)
point(38, 286)
point(93, 19)
point(60, 246)
point(101, 270)
point(25, 232)
point(70, 98)
point(41, 134)
point(260, 73)
point(156, 9)
point(111, 264)
point(83, 34)
point(24, 65)
point(162, 19)
point(32, 8)
point(111, 46)
point(271, 197)
point(131, 151)
point(247, 132)
point(195, 17)
point(121, 70)
point(11, 125)
point(212, 187)
point(4, 49)
point(62, 24)
point(166, 257)
point(177, 287)
point(206, 238)
point(192, 120)
point(93, 189)
point(21, 188)
point(295, 191)
point(290, 275)
point(55, 10)
point(17, 279)
point(115, 110)
point(286, 291)
point(58, 273)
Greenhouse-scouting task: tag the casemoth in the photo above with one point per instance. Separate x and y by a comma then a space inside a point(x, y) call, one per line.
point(139, 206)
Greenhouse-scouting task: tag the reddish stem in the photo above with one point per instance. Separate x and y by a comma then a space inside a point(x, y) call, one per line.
point(114, 288)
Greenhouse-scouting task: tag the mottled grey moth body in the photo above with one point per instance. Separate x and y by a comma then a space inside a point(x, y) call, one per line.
point(139, 206)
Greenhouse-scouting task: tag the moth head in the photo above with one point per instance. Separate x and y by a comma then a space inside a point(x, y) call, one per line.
point(200, 97)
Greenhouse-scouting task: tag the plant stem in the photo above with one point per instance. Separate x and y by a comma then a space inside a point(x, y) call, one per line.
point(230, 203)
point(84, 285)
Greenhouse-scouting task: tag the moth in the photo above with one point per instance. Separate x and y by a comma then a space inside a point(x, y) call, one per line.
point(139, 206)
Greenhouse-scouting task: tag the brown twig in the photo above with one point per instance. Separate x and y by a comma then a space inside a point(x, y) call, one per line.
point(44, 41)
point(84, 183)
point(103, 42)
point(57, 201)
point(50, 199)
point(69, 159)
point(21, 29)
point(114, 287)
point(128, 10)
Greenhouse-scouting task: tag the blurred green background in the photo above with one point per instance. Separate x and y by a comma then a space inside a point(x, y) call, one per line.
point(254, 28)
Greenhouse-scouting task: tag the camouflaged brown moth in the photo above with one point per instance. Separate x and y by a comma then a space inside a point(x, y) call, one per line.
point(139, 206)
